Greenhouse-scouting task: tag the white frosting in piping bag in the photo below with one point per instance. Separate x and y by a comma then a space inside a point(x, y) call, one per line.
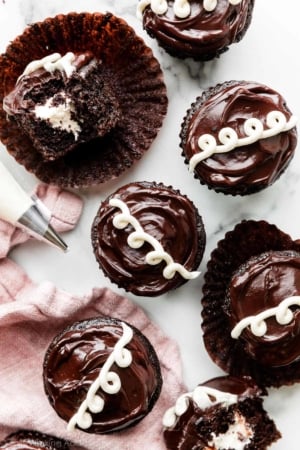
point(138, 237)
point(108, 381)
point(254, 131)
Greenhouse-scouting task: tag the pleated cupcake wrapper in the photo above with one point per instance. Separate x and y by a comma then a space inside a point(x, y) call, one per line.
point(249, 238)
point(139, 87)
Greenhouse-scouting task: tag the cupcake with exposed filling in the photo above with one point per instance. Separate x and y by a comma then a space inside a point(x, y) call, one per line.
point(81, 98)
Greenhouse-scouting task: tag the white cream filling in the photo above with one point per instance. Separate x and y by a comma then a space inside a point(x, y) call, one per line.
point(59, 116)
point(51, 63)
point(237, 436)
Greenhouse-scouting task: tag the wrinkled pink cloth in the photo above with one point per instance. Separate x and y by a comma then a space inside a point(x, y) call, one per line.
point(31, 315)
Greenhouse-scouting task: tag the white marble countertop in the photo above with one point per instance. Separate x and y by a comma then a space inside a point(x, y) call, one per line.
point(268, 54)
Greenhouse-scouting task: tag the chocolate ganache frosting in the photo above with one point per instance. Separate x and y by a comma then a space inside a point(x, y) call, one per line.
point(245, 168)
point(78, 357)
point(269, 285)
point(166, 216)
point(201, 34)
point(211, 414)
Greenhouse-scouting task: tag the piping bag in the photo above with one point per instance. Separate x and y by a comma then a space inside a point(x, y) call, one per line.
point(29, 213)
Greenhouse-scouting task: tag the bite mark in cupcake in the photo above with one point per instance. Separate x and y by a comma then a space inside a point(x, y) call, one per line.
point(223, 413)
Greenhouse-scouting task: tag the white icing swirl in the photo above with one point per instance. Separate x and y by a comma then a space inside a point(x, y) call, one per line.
point(108, 381)
point(182, 8)
point(138, 237)
point(254, 131)
point(258, 326)
point(51, 63)
point(203, 396)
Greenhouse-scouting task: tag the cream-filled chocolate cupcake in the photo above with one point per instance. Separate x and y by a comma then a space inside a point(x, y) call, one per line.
point(148, 238)
point(81, 98)
point(251, 304)
point(238, 137)
point(223, 413)
point(201, 29)
point(101, 375)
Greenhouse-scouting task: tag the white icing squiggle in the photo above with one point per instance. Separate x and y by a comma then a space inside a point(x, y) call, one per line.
point(254, 130)
point(203, 396)
point(108, 381)
point(182, 8)
point(138, 237)
point(257, 323)
point(51, 63)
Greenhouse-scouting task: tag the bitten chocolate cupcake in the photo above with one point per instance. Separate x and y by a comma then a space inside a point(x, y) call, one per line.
point(148, 238)
point(251, 304)
point(238, 137)
point(33, 440)
point(81, 98)
point(201, 29)
point(223, 413)
point(101, 375)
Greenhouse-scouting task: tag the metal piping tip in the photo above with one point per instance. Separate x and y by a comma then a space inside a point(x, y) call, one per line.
point(51, 236)
point(36, 221)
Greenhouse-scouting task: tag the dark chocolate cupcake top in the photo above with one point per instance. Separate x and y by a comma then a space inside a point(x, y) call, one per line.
point(263, 307)
point(33, 440)
point(239, 137)
point(148, 238)
point(200, 29)
point(101, 375)
point(251, 304)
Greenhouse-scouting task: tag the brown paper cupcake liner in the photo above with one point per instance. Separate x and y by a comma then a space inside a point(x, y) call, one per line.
point(249, 238)
point(138, 83)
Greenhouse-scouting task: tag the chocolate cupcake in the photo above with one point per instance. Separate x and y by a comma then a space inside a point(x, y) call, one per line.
point(148, 238)
point(251, 304)
point(101, 375)
point(199, 29)
point(238, 137)
point(223, 413)
point(81, 98)
point(33, 440)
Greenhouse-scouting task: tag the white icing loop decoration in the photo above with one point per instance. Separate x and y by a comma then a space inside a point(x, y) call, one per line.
point(203, 396)
point(51, 63)
point(182, 8)
point(138, 237)
point(257, 324)
point(254, 131)
point(108, 381)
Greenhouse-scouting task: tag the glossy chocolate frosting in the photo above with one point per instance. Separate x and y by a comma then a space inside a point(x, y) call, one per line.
point(203, 34)
point(166, 215)
point(248, 168)
point(193, 429)
point(33, 440)
point(74, 360)
point(263, 283)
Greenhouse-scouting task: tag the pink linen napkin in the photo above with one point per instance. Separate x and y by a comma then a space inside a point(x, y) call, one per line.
point(31, 315)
